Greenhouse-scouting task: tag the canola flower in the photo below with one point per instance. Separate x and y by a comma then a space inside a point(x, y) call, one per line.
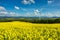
point(29, 31)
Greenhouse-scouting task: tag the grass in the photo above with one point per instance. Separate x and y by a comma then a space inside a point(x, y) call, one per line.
point(29, 31)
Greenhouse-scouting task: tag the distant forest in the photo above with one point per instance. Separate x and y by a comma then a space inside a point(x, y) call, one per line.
point(31, 19)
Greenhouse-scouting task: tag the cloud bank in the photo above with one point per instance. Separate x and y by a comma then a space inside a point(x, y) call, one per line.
point(35, 13)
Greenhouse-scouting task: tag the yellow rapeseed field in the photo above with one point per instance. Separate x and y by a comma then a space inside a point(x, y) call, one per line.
point(29, 31)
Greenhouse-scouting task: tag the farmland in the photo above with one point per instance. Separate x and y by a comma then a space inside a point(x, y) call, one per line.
point(29, 31)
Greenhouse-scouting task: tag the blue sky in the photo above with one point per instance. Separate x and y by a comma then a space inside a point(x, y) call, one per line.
point(27, 8)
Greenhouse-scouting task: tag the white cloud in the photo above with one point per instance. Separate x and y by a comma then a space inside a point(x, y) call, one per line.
point(32, 1)
point(2, 13)
point(14, 14)
point(50, 14)
point(9, 14)
point(57, 13)
point(28, 1)
point(23, 9)
point(50, 1)
point(28, 14)
point(2, 8)
point(16, 7)
point(36, 12)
